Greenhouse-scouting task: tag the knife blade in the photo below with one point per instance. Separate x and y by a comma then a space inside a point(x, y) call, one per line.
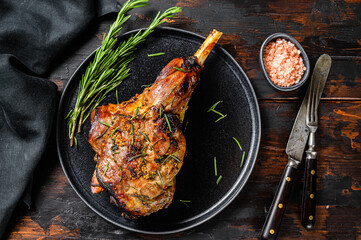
point(320, 74)
point(294, 149)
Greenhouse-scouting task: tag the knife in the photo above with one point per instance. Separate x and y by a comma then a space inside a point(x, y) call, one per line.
point(294, 149)
point(320, 73)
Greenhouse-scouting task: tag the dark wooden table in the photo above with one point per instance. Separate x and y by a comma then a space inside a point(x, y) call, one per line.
point(323, 26)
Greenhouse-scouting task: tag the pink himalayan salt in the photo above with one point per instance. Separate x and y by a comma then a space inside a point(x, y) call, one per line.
point(283, 63)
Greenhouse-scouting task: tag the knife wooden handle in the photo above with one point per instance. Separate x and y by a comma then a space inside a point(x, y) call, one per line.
point(278, 207)
point(309, 193)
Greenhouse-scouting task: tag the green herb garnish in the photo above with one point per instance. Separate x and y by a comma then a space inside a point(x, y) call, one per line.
point(239, 145)
point(244, 153)
point(166, 119)
point(156, 54)
point(185, 202)
point(106, 124)
point(116, 96)
point(111, 64)
point(181, 70)
point(144, 114)
point(113, 131)
point(121, 173)
point(173, 90)
point(160, 177)
point(160, 187)
point(147, 85)
point(135, 113)
point(132, 130)
point(215, 166)
point(106, 168)
point(212, 109)
point(219, 179)
point(143, 198)
point(137, 156)
point(171, 156)
point(145, 135)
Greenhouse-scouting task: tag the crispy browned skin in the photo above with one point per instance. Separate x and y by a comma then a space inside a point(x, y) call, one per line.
point(139, 143)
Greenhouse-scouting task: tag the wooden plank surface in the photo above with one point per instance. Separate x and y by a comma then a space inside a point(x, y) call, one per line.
point(322, 26)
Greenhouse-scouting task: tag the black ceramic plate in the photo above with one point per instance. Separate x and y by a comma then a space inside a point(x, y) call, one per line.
point(221, 80)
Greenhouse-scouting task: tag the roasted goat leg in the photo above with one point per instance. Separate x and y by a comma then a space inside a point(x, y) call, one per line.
point(139, 143)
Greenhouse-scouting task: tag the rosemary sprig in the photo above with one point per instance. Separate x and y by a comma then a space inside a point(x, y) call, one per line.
point(132, 130)
point(156, 54)
point(110, 65)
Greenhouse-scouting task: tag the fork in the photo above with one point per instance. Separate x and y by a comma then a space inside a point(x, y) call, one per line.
point(309, 187)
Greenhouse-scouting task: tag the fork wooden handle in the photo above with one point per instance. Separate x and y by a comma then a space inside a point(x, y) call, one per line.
point(309, 191)
point(278, 207)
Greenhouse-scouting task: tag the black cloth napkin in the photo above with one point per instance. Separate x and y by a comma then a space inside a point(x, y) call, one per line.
point(33, 34)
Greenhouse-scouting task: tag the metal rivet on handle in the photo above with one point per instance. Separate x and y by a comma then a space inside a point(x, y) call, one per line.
point(313, 172)
point(312, 196)
point(310, 217)
point(271, 231)
point(288, 179)
point(280, 205)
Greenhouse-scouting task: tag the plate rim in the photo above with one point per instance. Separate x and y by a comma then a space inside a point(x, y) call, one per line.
point(237, 186)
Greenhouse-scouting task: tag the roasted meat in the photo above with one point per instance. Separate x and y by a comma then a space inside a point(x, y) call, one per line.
point(139, 143)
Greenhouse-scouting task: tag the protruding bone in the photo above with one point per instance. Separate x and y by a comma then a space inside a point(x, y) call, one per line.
point(207, 46)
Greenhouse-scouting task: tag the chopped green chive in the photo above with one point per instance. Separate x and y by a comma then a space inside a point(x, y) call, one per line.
point(219, 179)
point(244, 153)
point(114, 131)
point(106, 168)
point(181, 70)
point(137, 156)
point(166, 119)
point(156, 54)
point(185, 202)
point(116, 95)
point(136, 113)
point(239, 145)
point(160, 177)
point(106, 124)
point(215, 166)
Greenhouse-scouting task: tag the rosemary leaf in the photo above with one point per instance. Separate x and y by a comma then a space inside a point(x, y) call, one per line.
point(106, 168)
point(166, 119)
point(244, 153)
point(215, 166)
point(156, 54)
point(185, 202)
point(116, 95)
point(160, 177)
point(181, 70)
point(136, 113)
point(239, 145)
point(114, 131)
point(137, 156)
point(106, 124)
point(219, 179)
